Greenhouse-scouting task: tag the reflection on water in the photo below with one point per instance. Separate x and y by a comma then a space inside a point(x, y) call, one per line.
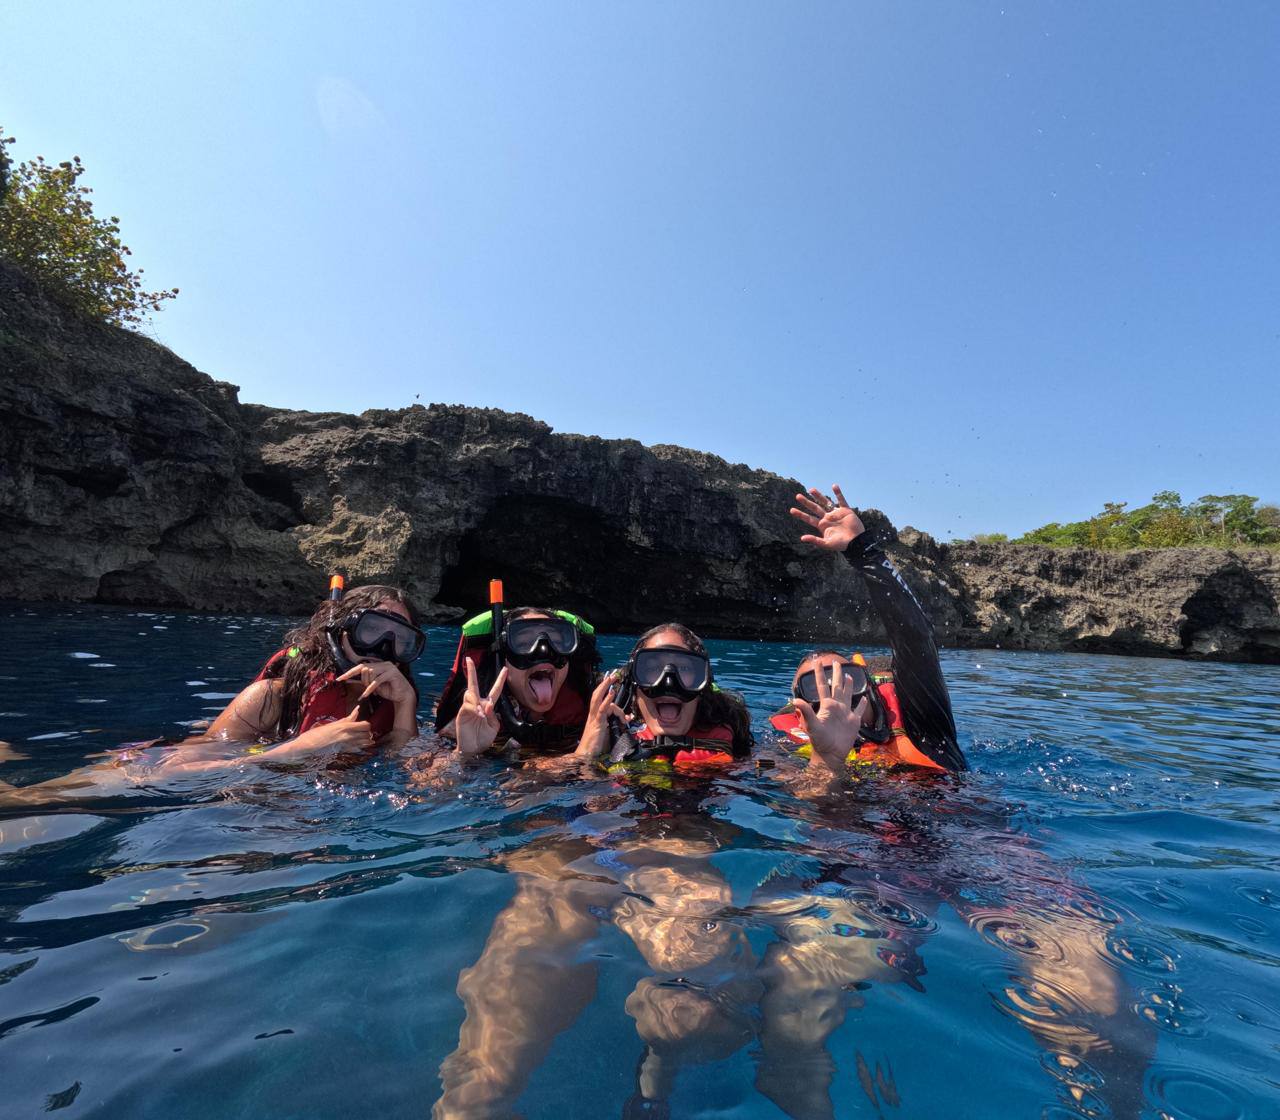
point(1086, 926)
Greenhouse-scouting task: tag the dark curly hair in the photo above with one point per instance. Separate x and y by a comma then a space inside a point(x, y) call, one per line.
point(716, 706)
point(314, 658)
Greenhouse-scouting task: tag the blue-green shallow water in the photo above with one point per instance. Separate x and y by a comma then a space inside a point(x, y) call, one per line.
point(274, 944)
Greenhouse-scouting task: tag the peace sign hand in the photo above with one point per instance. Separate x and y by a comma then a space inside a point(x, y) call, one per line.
point(836, 523)
point(477, 724)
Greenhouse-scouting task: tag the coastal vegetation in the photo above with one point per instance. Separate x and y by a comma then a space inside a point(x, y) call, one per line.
point(49, 230)
point(1212, 521)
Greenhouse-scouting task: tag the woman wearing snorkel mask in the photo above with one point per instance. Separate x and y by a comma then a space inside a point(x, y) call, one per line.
point(684, 717)
point(655, 883)
point(843, 710)
point(530, 688)
point(341, 683)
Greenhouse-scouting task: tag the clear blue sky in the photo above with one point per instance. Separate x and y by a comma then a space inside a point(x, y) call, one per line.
point(990, 264)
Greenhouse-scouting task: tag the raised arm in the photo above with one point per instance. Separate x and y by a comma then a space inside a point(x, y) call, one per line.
point(922, 691)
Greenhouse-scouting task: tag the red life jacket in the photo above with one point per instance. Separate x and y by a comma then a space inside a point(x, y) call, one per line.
point(898, 750)
point(326, 700)
point(707, 746)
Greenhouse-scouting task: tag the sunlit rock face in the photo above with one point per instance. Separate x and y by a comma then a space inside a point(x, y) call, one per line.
point(131, 477)
point(1199, 602)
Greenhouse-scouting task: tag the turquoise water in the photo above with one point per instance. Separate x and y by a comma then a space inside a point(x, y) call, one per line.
point(1086, 925)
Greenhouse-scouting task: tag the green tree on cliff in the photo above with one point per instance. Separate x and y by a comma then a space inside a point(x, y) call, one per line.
point(4, 164)
point(49, 230)
point(1215, 520)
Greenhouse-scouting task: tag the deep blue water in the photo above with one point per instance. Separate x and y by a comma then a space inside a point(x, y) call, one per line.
point(1086, 925)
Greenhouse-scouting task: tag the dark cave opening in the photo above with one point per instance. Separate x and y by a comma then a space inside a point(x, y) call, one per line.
point(1235, 612)
point(558, 553)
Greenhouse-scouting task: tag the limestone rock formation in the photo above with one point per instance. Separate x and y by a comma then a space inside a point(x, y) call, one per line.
point(130, 477)
point(1202, 602)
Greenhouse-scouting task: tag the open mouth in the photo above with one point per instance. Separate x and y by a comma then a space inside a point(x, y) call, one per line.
point(542, 683)
point(668, 711)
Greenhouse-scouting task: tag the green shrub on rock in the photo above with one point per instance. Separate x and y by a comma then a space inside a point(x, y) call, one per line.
point(1215, 520)
point(49, 230)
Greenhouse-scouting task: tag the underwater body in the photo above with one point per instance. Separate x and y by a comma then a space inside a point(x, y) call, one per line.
point(1085, 924)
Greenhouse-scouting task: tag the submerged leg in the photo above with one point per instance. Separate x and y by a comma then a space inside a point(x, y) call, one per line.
point(697, 1008)
point(683, 1025)
point(808, 980)
point(524, 990)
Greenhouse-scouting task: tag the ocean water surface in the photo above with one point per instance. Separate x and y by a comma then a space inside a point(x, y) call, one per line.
point(1087, 924)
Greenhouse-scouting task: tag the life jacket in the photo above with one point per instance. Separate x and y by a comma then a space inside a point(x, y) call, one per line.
point(566, 717)
point(702, 747)
point(896, 750)
point(326, 699)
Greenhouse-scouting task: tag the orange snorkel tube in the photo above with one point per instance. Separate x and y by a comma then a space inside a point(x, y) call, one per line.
point(495, 609)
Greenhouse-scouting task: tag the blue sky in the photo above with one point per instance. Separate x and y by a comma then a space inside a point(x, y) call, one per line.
point(989, 265)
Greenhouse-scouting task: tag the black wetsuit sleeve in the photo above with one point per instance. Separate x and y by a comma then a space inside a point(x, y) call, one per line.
point(917, 673)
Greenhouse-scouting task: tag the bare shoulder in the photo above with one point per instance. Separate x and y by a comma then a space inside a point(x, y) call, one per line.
point(251, 715)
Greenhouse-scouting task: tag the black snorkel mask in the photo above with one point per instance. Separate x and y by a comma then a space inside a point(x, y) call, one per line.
point(526, 642)
point(372, 633)
point(670, 671)
point(864, 688)
point(658, 671)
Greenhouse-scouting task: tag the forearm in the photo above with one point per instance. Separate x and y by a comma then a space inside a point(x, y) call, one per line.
point(405, 728)
point(917, 671)
point(907, 627)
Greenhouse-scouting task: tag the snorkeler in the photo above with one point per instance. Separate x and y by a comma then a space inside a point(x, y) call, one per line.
point(341, 685)
point(897, 713)
point(659, 888)
point(529, 686)
point(685, 718)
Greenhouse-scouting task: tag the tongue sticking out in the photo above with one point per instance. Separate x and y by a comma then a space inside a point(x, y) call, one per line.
point(540, 686)
point(669, 710)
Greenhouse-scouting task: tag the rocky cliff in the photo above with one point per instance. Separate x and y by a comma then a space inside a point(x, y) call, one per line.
point(130, 477)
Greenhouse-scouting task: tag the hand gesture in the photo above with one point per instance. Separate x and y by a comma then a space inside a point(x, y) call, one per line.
point(382, 678)
point(836, 524)
point(834, 728)
point(477, 723)
point(348, 735)
point(595, 736)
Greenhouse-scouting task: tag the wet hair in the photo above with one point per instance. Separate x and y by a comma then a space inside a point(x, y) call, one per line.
point(716, 707)
point(315, 659)
point(879, 663)
point(816, 653)
point(584, 671)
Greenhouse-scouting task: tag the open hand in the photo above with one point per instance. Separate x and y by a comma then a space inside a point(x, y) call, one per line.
point(836, 523)
point(834, 727)
point(595, 736)
point(477, 723)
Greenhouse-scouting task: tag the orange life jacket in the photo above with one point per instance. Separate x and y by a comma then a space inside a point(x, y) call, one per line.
point(896, 751)
point(702, 747)
point(326, 700)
